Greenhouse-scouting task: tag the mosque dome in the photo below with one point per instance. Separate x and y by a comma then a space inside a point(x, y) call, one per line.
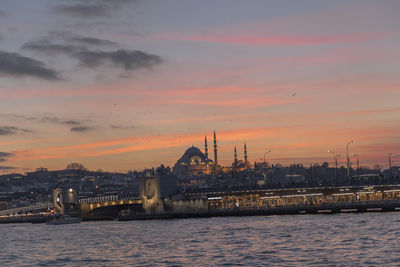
point(192, 155)
point(192, 151)
point(192, 161)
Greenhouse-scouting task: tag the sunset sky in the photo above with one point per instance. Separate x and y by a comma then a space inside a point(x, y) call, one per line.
point(131, 84)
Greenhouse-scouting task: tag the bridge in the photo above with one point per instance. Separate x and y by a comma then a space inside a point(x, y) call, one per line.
point(105, 207)
point(265, 201)
point(32, 208)
point(109, 200)
point(87, 206)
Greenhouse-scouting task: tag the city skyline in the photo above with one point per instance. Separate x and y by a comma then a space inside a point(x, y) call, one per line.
point(132, 84)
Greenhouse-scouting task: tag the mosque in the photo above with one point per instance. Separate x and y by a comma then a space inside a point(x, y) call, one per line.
point(194, 161)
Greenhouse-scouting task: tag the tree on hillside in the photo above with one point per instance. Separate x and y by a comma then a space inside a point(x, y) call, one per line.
point(76, 166)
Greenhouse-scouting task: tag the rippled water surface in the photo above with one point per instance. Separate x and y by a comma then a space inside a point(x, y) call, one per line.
point(342, 239)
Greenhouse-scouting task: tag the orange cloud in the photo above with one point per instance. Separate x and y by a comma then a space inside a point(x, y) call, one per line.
point(134, 144)
point(201, 91)
point(241, 102)
point(295, 144)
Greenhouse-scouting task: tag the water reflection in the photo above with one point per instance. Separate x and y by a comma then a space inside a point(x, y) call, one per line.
point(350, 239)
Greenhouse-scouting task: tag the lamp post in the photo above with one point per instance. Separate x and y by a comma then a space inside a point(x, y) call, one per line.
point(335, 156)
point(265, 163)
point(268, 151)
point(390, 165)
point(358, 161)
point(358, 166)
point(348, 159)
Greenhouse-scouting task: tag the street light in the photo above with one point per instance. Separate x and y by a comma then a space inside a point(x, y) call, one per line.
point(265, 164)
point(269, 151)
point(358, 166)
point(390, 165)
point(358, 161)
point(335, 156)
point(348, 159)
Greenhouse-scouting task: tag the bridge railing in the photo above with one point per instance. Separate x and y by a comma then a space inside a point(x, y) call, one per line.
point(101, 199)
point(49, 205)
point(41, 206)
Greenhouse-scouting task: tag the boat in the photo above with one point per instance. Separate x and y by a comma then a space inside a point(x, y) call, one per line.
point(64, 219)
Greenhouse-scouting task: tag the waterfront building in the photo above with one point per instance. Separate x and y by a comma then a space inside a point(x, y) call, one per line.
point(155, 190)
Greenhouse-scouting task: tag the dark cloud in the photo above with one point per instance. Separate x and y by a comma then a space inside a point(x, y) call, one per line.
point(2, 14)
point(87, 51)
point(6, 131)
point(71, 122)
point(91, 8)
point(65, 43)
point(81, 129)
point(84, 40)
point(57, 120)
point(92, 41)
point(52, 120)
point(11, 130)
point(4, 156)
point(47, 119)
point(52, 49)
point(16, 65)
point(7, 168)
point(44, 119)
point(82, 10)
point(122, 127)
point(127, 59)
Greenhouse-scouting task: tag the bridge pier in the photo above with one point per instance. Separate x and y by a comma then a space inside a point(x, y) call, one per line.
point(108, 210)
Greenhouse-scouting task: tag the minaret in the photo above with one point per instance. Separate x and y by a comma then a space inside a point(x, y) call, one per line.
point(245, 153)
point(236, 161)
point(205, 147)
point(215, 150)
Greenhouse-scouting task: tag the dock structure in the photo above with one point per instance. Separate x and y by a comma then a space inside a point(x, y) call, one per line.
point(159, 200)
point(271, 198)
point(323, 200)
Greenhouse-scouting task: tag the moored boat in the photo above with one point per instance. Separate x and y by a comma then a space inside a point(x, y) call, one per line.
point(64, 219)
